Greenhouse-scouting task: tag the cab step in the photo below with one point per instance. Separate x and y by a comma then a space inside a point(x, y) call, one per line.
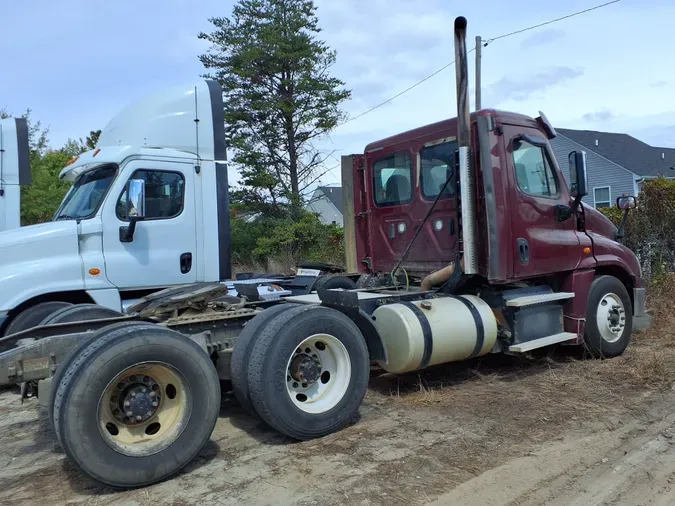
point(542, 298)
point(541, 342)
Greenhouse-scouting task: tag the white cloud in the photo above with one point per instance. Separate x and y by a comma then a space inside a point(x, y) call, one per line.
point(80, 65)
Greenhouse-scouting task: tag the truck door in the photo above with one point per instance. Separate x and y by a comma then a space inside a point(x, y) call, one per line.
point(540, 243)
point(403, 186)
point(163, 249)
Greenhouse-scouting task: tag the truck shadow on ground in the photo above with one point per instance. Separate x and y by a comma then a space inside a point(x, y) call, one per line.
point(502, 367)
point(81, 484)
point(253, 426)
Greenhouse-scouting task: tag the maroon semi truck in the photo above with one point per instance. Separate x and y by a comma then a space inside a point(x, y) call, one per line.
point(530, 230)
point(462, 239)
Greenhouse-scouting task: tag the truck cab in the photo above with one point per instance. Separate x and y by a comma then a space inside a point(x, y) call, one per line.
point(171, 147)
point(529, 228)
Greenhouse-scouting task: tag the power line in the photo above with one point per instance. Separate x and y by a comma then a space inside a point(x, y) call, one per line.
point(403, 92)
point(488, 41)
point(551, 21)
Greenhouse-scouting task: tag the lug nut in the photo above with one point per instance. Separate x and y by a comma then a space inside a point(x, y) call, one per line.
point(129, 413)
point(143, 390)
point(155, 404)
point(133, 394)
point(139, 418)
point(152, 394)
point(127, 404)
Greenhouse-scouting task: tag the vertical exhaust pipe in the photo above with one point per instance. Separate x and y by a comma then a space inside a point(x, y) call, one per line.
point(466, 177)
point(462, 76)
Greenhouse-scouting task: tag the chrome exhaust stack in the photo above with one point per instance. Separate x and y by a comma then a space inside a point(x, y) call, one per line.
point(467, 192)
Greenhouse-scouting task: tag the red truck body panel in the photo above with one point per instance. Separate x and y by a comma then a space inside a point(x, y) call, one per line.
point(529, 243)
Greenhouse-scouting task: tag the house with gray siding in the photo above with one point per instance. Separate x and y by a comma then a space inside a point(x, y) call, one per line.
point(617, 164)
point(327, 203)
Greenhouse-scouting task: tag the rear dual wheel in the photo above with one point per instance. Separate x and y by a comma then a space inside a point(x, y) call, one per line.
point(307, 371)
point(136, 404)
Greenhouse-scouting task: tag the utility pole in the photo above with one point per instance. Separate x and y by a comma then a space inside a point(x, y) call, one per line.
point(479, 47)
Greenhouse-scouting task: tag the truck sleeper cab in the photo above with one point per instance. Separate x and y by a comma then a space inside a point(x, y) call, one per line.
point(86, 254)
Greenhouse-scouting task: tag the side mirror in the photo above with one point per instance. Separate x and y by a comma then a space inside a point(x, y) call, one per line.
point(578, 174)
point(136, 198)
point(135, 208)
point(626, 203)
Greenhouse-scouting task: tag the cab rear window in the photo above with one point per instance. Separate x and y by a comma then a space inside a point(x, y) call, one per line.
point(436, 166)
point(392, 179)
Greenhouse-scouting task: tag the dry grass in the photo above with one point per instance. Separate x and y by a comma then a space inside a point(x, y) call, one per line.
point(550, 386)
point(277, 265)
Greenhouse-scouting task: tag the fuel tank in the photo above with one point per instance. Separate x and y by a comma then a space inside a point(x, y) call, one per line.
point(422, 333)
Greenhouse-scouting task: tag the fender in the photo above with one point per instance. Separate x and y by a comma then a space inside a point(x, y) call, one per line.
point(348, 303)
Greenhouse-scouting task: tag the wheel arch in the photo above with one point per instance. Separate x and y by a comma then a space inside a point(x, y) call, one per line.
point(377, 351)
point(621, 274)
point(74, 297)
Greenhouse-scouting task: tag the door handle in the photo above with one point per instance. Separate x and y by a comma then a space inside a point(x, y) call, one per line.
point(185, 263)
point(523, 251)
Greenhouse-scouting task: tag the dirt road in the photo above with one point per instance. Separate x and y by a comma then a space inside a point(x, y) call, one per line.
point(553, 429)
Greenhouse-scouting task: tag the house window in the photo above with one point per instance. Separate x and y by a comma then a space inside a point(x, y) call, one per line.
point(602, 197)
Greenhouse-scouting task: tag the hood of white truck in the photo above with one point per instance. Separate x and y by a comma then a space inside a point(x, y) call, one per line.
point(39, 259)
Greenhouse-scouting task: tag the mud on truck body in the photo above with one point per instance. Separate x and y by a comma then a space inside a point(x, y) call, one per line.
point(466, 240)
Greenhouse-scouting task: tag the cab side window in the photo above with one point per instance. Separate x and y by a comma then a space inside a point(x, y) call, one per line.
point(436, 167)
point(164, 195)
point(393, 179)
point(533, 170)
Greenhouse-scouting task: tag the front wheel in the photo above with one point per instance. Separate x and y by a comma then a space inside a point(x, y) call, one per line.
point(308, 372)
point(609, 318)
point(136, 405)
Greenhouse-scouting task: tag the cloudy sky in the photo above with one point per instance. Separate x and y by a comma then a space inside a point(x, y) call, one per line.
point(75, 62)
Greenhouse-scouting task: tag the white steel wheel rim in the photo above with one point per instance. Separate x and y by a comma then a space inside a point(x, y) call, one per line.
point(161, 425)
point(324, 388)
point(611, 317)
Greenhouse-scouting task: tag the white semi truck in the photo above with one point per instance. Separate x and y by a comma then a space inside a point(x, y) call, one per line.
point(170, 146)
point(14, 170)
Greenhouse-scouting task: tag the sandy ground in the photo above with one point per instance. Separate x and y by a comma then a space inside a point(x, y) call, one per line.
point(556, 429)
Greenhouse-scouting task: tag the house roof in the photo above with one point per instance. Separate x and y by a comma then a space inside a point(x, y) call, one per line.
point(334, 194)
point(629, 152)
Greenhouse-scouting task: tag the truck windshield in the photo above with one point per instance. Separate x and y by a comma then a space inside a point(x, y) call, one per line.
point(86, 194)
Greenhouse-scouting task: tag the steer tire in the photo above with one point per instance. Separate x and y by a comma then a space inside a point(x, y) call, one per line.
point(242, 352)
point(268, 372)
point(78, 410)
point(32, 316)
point(72, 355)
point(606, 288)
point(330, 282)
point(79, 313)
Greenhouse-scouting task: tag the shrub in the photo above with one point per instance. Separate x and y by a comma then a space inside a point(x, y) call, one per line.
point(285, 242)
point(650, 228)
